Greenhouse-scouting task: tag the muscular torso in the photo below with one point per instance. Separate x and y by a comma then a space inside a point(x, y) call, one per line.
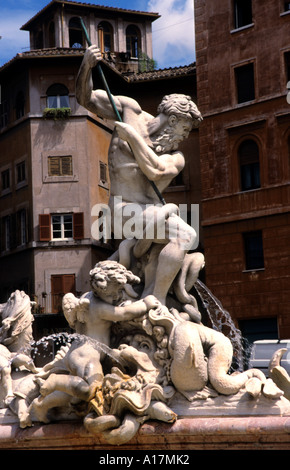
point(127, 179)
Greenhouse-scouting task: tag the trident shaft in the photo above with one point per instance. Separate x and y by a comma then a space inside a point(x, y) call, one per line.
point(110, 96)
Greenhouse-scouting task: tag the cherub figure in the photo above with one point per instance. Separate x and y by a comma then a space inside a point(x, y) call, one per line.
point(110, 300)
point(91, 317)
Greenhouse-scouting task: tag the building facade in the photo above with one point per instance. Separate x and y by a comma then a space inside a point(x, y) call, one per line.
point(122, 35)
point(242, 66)
point(53, 152)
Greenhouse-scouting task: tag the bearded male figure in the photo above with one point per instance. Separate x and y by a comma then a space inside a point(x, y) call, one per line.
point(143, 149)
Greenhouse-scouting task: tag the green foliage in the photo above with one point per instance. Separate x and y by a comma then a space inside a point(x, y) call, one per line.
point(145, 63)
point(56, 113)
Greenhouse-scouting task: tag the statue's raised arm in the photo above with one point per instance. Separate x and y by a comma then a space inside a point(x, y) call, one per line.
point(95, 101)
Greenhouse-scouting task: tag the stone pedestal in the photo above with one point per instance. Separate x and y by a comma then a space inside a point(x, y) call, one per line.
point(207, 433)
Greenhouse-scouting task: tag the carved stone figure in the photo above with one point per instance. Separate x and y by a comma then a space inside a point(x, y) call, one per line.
point(124, 402)
point(278, 374)
point(16, 322)
point(144, 148)
point(15, 339)
point(200, 356)
point(139, 349)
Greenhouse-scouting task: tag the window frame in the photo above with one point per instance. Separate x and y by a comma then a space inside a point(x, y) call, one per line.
point(237, 15)
point(57, 96)
point(6, 188)
point(62, 225)
point(250, 164)
point(46, 227)
point(64, 152)
point(7, 226)
point(129, 38)
point(238, 68)
point(103, 35)
point(74, 29)
point(20, 105)
point(249, 258)
point(61, 165)
point(4, 114)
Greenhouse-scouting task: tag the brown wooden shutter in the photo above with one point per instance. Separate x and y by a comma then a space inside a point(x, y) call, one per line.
point(78, 225)
point(44, 228)
point(69, 283)
point(61, 284)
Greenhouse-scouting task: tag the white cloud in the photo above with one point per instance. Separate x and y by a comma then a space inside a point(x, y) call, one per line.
point(173, 33)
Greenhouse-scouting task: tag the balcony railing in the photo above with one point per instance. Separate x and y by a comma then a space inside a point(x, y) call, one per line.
point(48, 303)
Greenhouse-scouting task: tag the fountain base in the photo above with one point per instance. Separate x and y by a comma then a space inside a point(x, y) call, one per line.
point(201, 433)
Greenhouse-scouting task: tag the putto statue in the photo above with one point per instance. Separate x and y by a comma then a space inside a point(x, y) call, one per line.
point(140, 349)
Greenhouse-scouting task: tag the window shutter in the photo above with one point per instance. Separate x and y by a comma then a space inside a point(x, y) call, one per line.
point(53, 166)
point(78, 223)
point(44, 227)
point(69, 283)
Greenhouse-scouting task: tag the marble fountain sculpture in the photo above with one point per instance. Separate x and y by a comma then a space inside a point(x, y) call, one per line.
point(140, 349)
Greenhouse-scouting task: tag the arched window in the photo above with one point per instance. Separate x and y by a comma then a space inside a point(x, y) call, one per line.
point(57, 96)
point(20, 105)
point(249, 161)
point(133, 40)
point(106, 39)
point(38, 40)
point(76, 36)
point(51, 35)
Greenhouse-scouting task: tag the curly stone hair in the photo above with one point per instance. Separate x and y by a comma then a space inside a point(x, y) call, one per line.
point(179, 105)
point(111, 271)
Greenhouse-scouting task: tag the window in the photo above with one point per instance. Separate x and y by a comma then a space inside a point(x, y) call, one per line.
point(248, 154)
point(103, 173)
point(3, 114)
point(20, 173)
point(20, 105)
point(38, 40)
point(254, 256)
point(105, 32)
point(242, 13)
point(259, 328)
point(287, 65)
point(22, 227)
point(61, 226)
point(57, 96)
point(286, 6)
point(60, 166)
point(245, 83)
point(133, 40)
point(76, 36)
point(7, 222)
point(51, 35)
point(5, 180)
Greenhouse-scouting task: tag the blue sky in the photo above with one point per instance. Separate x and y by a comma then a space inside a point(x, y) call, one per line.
point(173, 33)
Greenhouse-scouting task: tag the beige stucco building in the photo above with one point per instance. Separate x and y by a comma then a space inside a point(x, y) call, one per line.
point(53, 154)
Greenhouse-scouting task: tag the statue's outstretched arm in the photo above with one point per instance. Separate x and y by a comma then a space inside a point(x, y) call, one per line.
point(129, 311)
point(95, 101)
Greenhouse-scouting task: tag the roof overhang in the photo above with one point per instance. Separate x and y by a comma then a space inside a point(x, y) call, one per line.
point(89, 7)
